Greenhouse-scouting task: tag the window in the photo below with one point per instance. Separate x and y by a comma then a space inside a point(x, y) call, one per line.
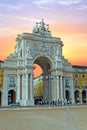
point(83, 75)
point(66, 83)
point(76, 75)
point(76, 83)
point(12, 82)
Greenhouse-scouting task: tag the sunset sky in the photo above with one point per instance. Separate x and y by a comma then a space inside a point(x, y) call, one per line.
point(67, 19)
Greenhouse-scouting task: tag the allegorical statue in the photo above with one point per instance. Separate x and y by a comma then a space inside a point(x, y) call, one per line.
point(41, 28)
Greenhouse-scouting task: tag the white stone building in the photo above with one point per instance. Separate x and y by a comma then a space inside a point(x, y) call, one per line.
point(38, 47)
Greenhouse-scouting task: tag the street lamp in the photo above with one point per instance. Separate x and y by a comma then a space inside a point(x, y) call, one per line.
point(49, 78)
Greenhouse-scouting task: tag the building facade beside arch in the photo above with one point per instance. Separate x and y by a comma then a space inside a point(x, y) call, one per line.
point(80, 84)
point(38, 47)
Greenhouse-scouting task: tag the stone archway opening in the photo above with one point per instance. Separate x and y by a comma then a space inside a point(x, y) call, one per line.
point(11, 96)
point(41, 83)
point(76, 95)
point(84, 96)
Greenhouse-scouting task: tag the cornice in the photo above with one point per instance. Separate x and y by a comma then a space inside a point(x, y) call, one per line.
point(61, 69)
point(33, 37)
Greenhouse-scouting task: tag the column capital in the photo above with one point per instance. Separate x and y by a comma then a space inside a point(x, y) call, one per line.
point(18, 73)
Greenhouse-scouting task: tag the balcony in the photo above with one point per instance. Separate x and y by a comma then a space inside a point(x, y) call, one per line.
point(12, 85)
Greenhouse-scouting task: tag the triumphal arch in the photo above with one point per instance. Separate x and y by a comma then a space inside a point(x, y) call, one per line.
point(38, 47)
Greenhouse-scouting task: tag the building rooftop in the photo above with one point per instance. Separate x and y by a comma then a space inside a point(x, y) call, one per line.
point(79, 67)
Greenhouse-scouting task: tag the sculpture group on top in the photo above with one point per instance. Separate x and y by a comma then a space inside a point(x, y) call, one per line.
point(41, 29)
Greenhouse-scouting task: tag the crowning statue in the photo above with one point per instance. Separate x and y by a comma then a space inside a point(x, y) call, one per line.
point(42, 25)
point(36, 29)
point(41, 28)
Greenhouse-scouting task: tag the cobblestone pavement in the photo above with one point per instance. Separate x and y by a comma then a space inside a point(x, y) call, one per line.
point(39, 118)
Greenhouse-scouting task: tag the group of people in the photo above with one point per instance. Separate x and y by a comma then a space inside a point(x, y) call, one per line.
point(58, 102)
point(61, 102)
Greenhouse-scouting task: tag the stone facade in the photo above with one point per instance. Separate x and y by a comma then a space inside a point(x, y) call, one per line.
point(80, 84)
point(38, 47)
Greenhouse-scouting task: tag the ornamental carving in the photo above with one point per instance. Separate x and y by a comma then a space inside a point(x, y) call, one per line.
point(41, 49)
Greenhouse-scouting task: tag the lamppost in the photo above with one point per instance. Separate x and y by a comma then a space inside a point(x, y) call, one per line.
point(49, 78)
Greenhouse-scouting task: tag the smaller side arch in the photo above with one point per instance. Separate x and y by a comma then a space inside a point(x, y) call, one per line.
point(76, 95)
point(84, 96)
point(11, 96)
point(67, 95)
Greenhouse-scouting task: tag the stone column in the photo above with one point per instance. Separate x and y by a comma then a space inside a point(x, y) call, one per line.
point(64, 87)
point(80, 96)
point(5, 91)
point(61, 85)
point(31, 87)
point(57, 92)
point(72, 91)
point(59, 88)
point(23, 48)
point(27, 87)
point(18, 88)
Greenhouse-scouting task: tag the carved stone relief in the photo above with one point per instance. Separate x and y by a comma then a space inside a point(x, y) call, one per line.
point(41, 48)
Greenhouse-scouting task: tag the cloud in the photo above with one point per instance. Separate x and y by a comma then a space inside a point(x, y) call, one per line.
point(27, 19)
point(3, 17)
point(13, 6)
point(68, 2)
point(61, 2)
point(17, 7)
point(82, 7)
point(41, 2)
